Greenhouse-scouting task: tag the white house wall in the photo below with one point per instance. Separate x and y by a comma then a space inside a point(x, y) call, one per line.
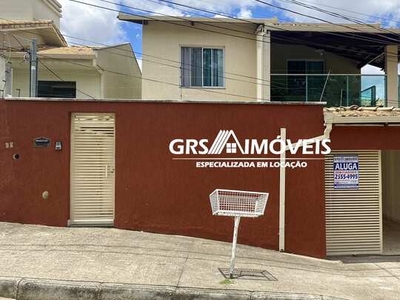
point(121, 73)
point(87, 81)
point(164, 40)
point(391, 186)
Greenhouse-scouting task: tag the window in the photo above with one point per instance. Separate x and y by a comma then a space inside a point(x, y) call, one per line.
point(231, 148)
point(202, 67)
point(57, 89)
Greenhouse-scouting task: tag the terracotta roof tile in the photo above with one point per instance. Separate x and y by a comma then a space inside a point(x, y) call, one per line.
point(356, 111)
point(67, 50)
point(5, 24)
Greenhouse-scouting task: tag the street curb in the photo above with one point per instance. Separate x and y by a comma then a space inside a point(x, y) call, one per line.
point(46, 289)
point(9, 287)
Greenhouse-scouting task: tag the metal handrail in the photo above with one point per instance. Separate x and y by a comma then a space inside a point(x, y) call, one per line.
point(330, 74)
point(313, 87)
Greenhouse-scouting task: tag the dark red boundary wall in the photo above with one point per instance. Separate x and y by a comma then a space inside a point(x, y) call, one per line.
point(365, 137)
point(154, 192)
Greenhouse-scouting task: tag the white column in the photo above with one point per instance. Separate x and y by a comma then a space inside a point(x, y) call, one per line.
point(260, 50)
point(392, 78)
point(2, 76)
point(263, 64)
point(267, 66)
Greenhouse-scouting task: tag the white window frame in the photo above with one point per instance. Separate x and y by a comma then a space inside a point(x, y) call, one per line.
point(202, 74)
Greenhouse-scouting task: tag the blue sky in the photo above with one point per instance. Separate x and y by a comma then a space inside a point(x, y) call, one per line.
point(100, 26)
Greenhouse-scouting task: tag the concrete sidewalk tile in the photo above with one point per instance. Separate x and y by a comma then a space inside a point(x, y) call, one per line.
point(395, 272)
point(114, 264)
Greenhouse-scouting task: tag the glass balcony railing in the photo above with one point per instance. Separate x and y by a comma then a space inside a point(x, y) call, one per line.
point(335, 90)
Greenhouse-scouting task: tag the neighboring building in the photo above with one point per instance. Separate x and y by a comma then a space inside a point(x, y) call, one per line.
point(63, 71)
point(81, 72)
point(34, 10)
point(264, 60)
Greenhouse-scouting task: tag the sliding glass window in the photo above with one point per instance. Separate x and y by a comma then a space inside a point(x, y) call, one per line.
point(202, 67)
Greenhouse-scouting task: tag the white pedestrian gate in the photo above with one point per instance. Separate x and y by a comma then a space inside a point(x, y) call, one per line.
point(92, 169)
point(354, 216)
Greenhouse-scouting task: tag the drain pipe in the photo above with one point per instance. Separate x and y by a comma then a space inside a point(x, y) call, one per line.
point(282, 179)
point(282, 194)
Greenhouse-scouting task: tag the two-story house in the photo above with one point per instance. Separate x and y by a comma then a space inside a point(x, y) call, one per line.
point(265, 60)
point(63, 71)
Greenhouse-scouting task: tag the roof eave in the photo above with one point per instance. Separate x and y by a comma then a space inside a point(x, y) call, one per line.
point(144, 19)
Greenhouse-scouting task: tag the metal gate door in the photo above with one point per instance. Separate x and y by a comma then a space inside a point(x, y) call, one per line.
point(354, 216)
point(92, 169)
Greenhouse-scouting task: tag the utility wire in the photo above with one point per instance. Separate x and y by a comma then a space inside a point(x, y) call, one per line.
point(315, 18)
point(146, 79)
point(106, 8)
point(162, 58)
point(178, 85)
point(139, 77)
point(327, 47)
point(354, 12)
point(340, 16)
point(177, 67)
point(219, 27)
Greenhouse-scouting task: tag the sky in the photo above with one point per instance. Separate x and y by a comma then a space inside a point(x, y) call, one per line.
point(90, 25)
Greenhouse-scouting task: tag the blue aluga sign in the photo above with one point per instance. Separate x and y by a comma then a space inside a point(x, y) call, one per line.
point(345, 172)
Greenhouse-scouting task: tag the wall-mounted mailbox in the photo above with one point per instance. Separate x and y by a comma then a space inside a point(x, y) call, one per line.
point(58, 146)
point(41, 142)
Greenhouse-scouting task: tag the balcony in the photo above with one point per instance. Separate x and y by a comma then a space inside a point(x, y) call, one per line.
point(335, 90)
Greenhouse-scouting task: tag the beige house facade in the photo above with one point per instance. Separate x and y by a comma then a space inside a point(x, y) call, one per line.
point(264, 60)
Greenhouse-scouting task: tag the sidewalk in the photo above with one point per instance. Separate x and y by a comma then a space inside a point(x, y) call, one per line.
point(43, 263)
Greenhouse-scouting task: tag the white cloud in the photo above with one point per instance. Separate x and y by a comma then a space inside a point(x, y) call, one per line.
point(91, 23)
point(143, 7)
point(192, 7)
point(245, 13)
point(220, 16)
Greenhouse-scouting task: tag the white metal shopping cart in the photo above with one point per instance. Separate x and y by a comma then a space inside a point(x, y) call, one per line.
point(237, 204)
